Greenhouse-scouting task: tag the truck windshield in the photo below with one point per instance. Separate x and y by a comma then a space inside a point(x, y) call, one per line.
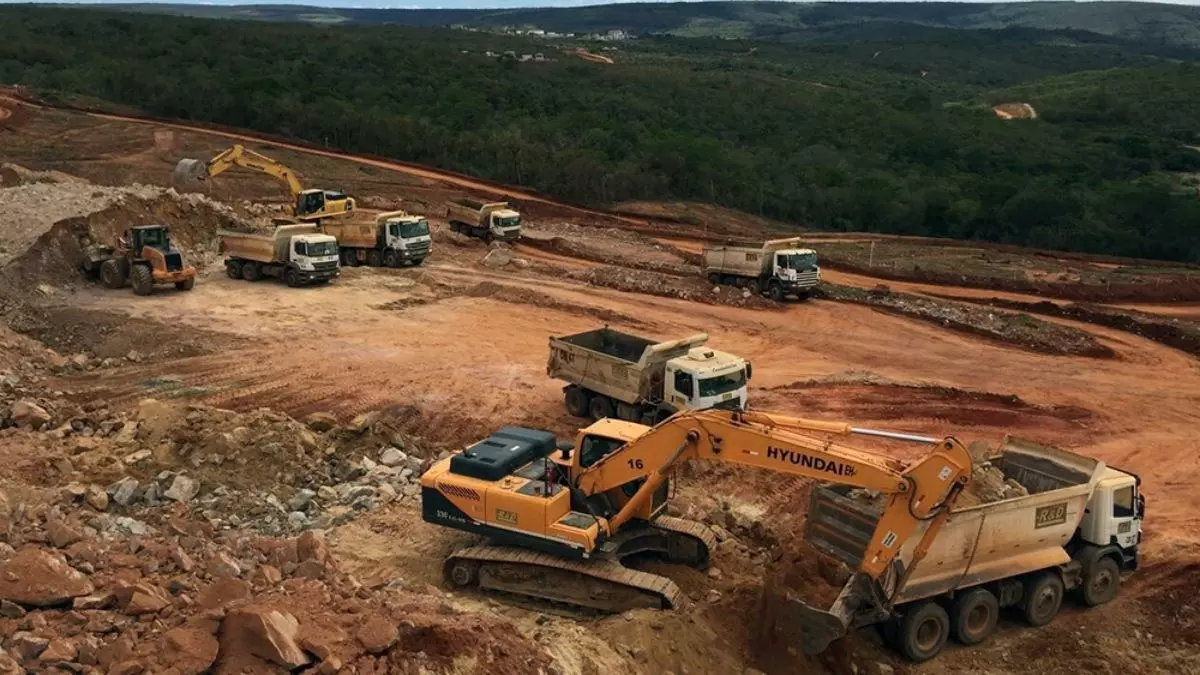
point(322, 248)
point(797, 261)
point(417, 229)
point(509, 222)
point(720, 384)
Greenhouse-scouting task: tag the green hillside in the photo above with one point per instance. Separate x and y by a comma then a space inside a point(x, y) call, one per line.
point(887, 131)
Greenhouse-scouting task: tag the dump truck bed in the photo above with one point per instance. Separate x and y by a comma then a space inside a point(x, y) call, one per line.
point(472, 211)
point(353, 234)
point(745, 260)
point(619, 365)
point(263, 248)
point(980, 543)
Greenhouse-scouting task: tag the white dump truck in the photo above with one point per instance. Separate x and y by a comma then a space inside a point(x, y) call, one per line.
point(779, 267)
point(484, 220)
point(614, 374)
point(299, 254)
point(1076, 531)
point(394, 239)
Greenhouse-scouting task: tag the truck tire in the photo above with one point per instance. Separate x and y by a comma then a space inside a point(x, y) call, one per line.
point(186, 284)
point(392, 259)
point(577, 401)
point(600, 407)
point(374, 259)
point(1041, 598)
point(714, 278)
point(111, 275)
point(776, 292)
point(251, 271)
point(923, 631)
point(291, 278)
point(417, 262)
point(233, 269)
point(142, 280)
point(1101, 581)
point(973, 616)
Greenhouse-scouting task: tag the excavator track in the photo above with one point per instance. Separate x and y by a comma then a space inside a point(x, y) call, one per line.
point(596, 585)
point(690, 528)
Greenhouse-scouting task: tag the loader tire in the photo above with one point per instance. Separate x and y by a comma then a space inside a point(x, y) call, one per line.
point(923, 631)
point(186, 284)
point(142, 279)
point(973, 616)
point(110, 274)
point(1042, 598)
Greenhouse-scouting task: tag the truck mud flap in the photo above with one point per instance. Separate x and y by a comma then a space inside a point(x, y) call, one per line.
point(839, 526)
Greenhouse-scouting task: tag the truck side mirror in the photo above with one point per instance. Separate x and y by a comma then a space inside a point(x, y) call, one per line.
point(749, 370)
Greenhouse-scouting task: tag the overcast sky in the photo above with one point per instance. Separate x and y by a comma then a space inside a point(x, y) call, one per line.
point(453, 4)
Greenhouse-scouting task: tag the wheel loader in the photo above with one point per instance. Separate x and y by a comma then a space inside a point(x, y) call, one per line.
point(143, 258)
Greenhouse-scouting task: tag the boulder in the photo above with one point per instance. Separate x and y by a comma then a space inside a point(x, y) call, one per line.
point(224, 591)
point(497, 257)
point(392, 457)
point(141, 598)
point(266, 633)
point(96, 497)
point(5, 516)
point(182, 489)
point(321, 421)
point(28, 414)
point(27, 646)
point(378, 634)
point(311, 546)
point(35, 578)
point(124, 491)
point(9, 665)
point(62, 535)
point(190, 650)
point(60, 649)
point(221, 565)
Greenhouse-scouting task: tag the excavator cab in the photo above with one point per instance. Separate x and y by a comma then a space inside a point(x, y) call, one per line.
point(310, 202)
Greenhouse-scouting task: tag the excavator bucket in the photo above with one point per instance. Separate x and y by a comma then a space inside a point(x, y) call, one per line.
point(190, 171)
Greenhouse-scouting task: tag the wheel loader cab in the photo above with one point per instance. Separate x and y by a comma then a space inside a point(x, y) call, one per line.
point(152, 236)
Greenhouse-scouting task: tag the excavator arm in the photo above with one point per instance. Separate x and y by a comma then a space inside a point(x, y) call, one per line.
point(918, 494)
point(238, 155)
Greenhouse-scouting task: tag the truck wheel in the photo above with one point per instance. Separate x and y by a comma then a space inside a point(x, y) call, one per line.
point(1042, 598)
point(233, 269)
point(110, 274)
point(291, 278)
point(142, 279)
point(923, 631)
point(973, 616)
point(374, 259)
point(776, 292)
point(600, 407)
point(714, 279)
point(417, 262)
point(186, 284)
point(392, 259)
point(577, 402)
point(1101, 582)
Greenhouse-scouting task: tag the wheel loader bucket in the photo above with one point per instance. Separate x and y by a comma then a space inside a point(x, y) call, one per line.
point(189, 171)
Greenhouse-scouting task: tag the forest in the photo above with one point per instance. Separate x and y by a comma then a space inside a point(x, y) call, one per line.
point(864, 127)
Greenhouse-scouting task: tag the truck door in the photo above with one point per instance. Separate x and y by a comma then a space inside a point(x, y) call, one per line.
point(1125, 509)
point(681, 389)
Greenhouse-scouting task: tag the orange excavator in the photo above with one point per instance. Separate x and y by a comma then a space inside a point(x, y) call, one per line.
point(561, 518)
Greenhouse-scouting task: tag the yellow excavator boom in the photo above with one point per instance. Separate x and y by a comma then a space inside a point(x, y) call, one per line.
point(238, 155)
point(919, 494)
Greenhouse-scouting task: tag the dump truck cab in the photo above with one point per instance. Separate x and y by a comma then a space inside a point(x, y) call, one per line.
point(504, 224)
point(796, 268)
point(407, 235)
point(1113, 517)
point(706, 378)
point(311, 252)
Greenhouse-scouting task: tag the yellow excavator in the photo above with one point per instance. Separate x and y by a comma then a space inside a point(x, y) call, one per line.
point(308, 205)
point(561, 518)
